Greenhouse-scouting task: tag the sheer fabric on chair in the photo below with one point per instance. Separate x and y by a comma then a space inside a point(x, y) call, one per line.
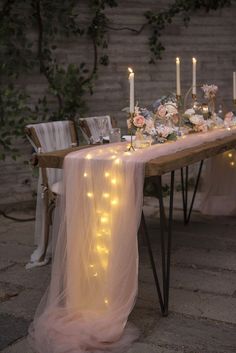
point(219, 196)
point(93, 128)
point(46, 137)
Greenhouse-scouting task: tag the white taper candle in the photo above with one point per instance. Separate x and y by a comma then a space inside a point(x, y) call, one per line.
point(194, 89)
point(178, 89)
point(131, 95)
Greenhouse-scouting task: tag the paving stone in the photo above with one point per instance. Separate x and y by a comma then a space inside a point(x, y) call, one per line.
point(23, 305)
point(8, 290)
point(12, 328)
point(190, 335)
point(12, 253)
point(20, 346)
point(199, 304)
point(194, 279)
point(36, 278)
point(205, 257)
point(10, 234)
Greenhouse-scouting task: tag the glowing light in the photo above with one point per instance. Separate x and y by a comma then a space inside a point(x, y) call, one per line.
point(85, 175)
point(90, 194)
point(130, 70)
point(89, 156)
point(95, 274)
point(113, 157)
point(106, 301)
point(99, 235)
point(106, 195)
point(232, 163)
point(117, 161)
point(91, 266)
point(102, 249)
point(127, 153)
point(114, 202)
point(104, 263)
point(114, 181)
point(230, 155)
point(107, 174)
point(104, 219)
point(228, 128)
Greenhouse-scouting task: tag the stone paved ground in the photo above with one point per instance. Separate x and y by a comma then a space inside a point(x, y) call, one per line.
point(202, 315)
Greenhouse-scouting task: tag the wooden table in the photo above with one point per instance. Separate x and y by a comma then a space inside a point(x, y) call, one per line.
point(155, 168)
point(158, 166)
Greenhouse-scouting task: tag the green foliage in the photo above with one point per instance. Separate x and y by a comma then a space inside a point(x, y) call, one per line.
point(160, 20)
point(14, 113)
point(29, 33)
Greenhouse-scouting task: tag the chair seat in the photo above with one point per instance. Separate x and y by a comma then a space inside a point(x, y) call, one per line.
point(57, 188)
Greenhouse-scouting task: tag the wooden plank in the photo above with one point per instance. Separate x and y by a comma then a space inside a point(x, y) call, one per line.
point(157, 166)
point(174, 161)
point(55, 159)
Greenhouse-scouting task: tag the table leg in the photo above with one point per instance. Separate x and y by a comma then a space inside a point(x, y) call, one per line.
point(184, 186)
point(163, 295)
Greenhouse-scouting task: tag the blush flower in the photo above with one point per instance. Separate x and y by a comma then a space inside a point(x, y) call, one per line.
point(171, 108)
point(164, 131)
point(161, 111)
point(229, 116)
point(139, 121)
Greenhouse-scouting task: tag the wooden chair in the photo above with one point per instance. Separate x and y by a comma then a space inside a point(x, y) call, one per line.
point(95, 128)
point(46, 137)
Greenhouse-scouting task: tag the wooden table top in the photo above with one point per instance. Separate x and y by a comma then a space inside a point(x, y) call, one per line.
point(157, 166)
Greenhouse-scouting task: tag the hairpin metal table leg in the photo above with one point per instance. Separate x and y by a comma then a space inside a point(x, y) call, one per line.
point(184, 184)
point(165, 237)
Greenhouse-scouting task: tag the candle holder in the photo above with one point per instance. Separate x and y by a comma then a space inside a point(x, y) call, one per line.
point(131, 146)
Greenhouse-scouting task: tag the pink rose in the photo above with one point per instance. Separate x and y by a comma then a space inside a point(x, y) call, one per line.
point(139, 121)
point(161, 111)
point(229, 116)
point(175, 118)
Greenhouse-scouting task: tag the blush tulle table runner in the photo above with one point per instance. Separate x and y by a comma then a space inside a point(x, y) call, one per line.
point(94, 277)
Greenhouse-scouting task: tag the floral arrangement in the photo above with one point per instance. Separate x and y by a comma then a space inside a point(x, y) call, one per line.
point(145, 122)
point(209, 91)
point(166, 109)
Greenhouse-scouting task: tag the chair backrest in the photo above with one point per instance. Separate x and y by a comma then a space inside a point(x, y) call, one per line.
point(52, 136)
point(94, 127)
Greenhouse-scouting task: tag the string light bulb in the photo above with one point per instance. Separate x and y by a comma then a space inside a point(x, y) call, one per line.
point(90, 194)
point(114, 181)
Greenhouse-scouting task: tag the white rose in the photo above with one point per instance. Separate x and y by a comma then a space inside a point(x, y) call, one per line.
point(190, 111)
point(197, 119)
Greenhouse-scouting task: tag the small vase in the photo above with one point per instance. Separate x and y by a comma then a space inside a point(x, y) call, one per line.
point(141, 140)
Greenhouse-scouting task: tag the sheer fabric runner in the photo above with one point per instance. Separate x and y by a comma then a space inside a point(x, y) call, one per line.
point(52, 136)
point(95, 268)
point(219, 196)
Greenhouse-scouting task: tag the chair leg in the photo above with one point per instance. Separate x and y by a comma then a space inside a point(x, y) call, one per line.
point(46, 225)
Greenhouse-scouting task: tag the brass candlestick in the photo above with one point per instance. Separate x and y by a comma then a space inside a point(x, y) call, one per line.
point(131, 146)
